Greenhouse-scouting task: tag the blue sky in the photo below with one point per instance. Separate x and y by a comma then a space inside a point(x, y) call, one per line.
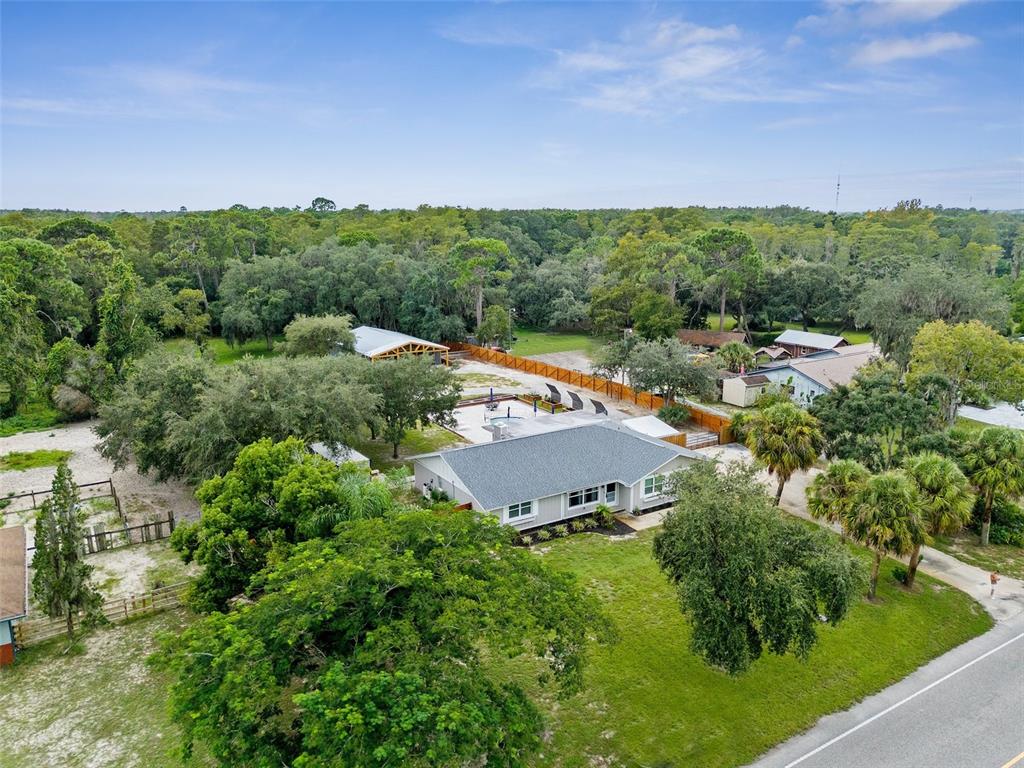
point(144, 106)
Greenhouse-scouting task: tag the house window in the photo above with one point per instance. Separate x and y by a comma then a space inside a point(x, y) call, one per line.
point(610, 494)
point(654, 486)
point(519, 511)
point(584, 496)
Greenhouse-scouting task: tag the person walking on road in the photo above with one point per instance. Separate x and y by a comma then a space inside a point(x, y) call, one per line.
point(993, 579)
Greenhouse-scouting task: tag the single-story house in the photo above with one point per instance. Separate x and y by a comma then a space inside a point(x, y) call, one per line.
point(709, 339)
point(340, 454)
point(545, 478)
point(809, 377)
point(382, 344)
point(744, 390)
point(799, 343)
point(13, 588)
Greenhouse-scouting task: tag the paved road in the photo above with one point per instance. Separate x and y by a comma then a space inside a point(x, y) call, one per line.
point(963, 710)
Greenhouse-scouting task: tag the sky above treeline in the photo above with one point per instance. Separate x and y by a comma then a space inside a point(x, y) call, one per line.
point(151, 106)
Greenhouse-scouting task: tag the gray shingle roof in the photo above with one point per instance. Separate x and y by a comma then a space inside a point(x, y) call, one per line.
point(508, 471)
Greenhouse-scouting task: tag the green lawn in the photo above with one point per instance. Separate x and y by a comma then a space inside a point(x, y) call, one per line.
point(19, 461)
point(650, 702)
point(100, 707)
point(852, 336)
point(223, 353)
point(530, 341)
point(34, 416)
point(1005, 558)
point(417, 441)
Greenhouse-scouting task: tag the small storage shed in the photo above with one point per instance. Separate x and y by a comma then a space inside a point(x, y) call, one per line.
point(382, 344)
point(744, 390)
point(13, 588)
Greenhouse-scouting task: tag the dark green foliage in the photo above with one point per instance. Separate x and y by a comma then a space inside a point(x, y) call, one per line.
point(875, 420)
point(675, 414)
point(275, 495)
point(181, 416)
point(367, 649)
point(749, 579)
point(60, 576)
point(412, 390)
point(604, 516)
point(319, 336)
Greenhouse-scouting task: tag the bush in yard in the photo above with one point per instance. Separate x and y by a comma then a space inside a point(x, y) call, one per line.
point(560, 530)
point(543, 535)
point(675, 414)
point(589, 523)
point(576, 525)
point(368, 650)
point(526, 539)
point(749, 578)
point(604, 516)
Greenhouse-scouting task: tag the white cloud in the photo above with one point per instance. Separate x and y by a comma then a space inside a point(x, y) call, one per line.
point(899, 48)
point(911, 11)
point(840, 15)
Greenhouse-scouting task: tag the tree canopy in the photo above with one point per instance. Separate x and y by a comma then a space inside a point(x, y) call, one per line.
point(748, 578)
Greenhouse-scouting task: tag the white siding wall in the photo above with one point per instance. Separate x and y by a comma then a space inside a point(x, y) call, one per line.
point(804, 388)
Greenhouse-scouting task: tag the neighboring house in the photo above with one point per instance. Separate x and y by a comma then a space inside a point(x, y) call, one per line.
point(340, 454)
point(546, 478)
point(709, 339)
point(13, 588)
point(381, 344)
point(772, 354)
point(817, 374)
point(744, 390)
point(800, 343)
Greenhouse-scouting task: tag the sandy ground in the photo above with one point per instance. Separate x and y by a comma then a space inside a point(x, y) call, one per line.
point(520, 382)
point(121, 571)
point(140, 496)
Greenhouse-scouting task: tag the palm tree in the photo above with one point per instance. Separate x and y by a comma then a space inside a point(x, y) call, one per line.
point(832, 493)
point(994, 463)
point(785, 438)
point(887, 519)
point(946, 499)
point(734, 355)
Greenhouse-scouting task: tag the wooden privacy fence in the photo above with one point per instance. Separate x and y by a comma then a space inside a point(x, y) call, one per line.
point(712, 422)
point(116, 609)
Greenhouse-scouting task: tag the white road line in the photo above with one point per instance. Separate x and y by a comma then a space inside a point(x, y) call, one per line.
point(900, 703)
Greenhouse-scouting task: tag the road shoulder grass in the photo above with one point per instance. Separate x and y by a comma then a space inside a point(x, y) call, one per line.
point(649, 701)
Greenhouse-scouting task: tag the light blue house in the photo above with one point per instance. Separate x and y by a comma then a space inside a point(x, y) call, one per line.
point(815, 374)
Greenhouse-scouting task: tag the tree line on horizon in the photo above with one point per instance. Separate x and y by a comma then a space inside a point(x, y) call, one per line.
point(82, 294)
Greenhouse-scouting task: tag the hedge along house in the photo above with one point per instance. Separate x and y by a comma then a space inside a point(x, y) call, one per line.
point(381, 344)
point(13, 588)
point(545, 478)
